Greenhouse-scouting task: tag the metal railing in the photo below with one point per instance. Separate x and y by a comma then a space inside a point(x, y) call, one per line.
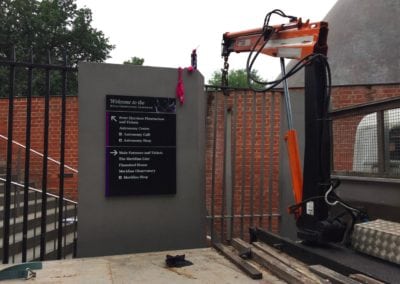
point(242, 162)
point(25, 238)
point(29, 69)
point(366, 139)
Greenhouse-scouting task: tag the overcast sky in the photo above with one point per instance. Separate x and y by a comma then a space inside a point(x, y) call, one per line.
point(165, 32)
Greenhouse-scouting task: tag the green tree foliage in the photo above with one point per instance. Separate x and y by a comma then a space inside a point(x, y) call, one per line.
point(237, 78)
point(45, 26)
point(135, 61)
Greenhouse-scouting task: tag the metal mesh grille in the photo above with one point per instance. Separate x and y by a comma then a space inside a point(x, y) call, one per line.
point(367, 144)
point(392, 127)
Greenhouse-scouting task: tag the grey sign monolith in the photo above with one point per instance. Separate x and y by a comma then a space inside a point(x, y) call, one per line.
point(141, 160)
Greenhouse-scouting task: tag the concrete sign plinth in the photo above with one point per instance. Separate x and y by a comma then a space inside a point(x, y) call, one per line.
point(148, 214)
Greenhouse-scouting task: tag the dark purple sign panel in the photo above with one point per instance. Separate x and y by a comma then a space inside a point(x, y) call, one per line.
point(140, 145)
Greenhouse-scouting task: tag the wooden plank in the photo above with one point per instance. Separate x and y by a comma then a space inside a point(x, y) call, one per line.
point(242, 264)
point(272, 264)
point(290, 261)
point(365, 279)
point(333, 276)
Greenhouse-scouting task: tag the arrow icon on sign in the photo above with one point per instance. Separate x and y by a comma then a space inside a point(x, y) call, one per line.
point(114, 153)
point(113, 118)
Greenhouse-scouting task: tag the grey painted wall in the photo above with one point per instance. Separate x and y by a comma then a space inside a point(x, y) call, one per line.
point(118, 225)
point(379, 197)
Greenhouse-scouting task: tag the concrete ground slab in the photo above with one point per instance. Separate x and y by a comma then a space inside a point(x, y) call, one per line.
point(208, 267)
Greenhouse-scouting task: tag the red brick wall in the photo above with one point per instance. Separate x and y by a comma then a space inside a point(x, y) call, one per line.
point(343, 145)
point(352, 95)
point(71, 141)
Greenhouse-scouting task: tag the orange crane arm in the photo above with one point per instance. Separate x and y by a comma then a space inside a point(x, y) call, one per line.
point(294, 40)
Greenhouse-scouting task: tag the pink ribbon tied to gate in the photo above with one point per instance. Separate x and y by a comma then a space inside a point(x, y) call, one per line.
point(180, 89)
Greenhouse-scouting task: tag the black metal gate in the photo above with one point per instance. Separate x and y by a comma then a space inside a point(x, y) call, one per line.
point(34, 218)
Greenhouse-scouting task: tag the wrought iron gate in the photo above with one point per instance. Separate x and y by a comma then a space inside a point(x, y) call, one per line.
point(33, 217)
point(242, 162)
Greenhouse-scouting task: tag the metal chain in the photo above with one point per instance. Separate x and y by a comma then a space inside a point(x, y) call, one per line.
point(225, 71)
